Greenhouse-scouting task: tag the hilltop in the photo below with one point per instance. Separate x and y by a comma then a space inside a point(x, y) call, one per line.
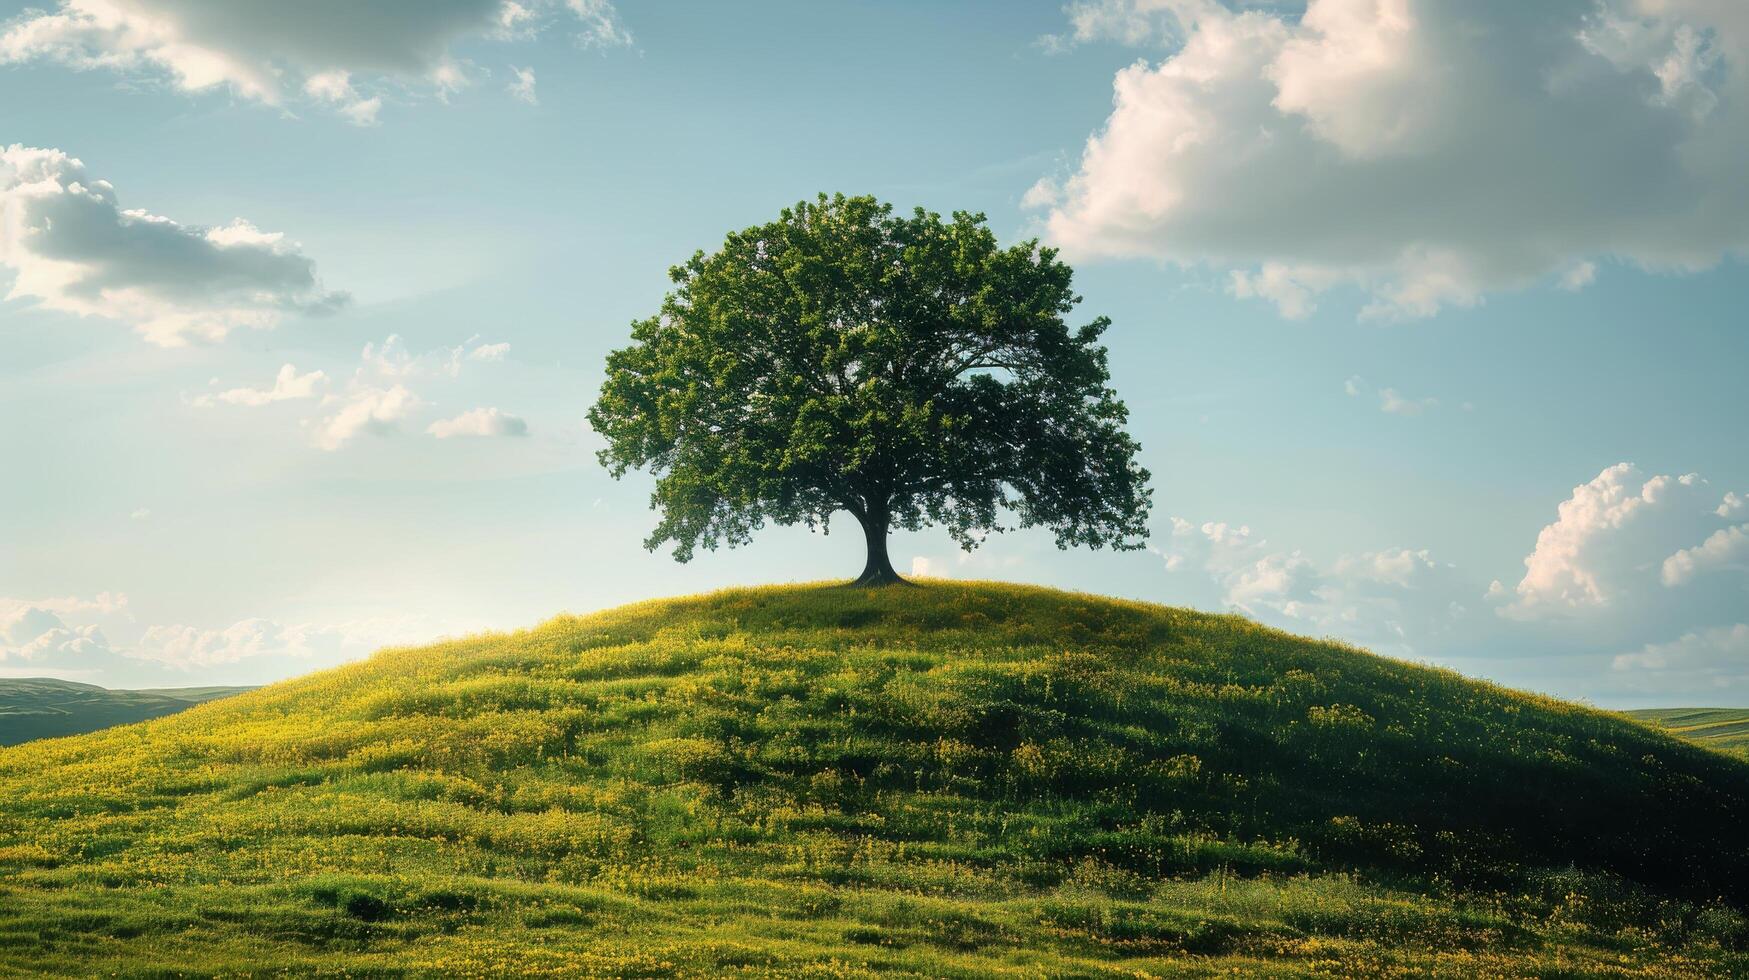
point(45, 707)
point(952, 780)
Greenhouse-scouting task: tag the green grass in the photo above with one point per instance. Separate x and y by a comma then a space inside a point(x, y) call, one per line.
point(953, 780)
point(1718, 728)
point(43, 707)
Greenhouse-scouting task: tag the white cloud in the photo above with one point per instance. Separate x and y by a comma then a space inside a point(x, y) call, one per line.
point(33, 634)
point(1725, 548)
point(1391, 401)
point(601, 27)
point(23, 623)
point(363, 409)
point(1582, 274)
point(1428, 151)
point(56, 635)
point(263, 646)
point(1632, 562)
point(335, 89)
point(1131, 22)
point(379, 394)
point(1578, 561)
point(1713, 660)
point(479, 422)
point(522, 89)
point(187, 647)
point(1394, 403)
point(1291, 290)
point(1618, 544)
point(288, 384)
point(141, 514)
point(77, 643)
point(72, 248)
point(1733, 504)
point(1042, 194)
point(268, 52)
point(392, 359)
point(1397, 598)
point(59, 637)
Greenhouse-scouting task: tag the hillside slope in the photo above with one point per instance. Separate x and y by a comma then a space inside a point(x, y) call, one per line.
point(1716, 728)
point(44, 707)
point(948, 780)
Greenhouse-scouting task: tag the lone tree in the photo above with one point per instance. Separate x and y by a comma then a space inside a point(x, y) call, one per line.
point(905, 369)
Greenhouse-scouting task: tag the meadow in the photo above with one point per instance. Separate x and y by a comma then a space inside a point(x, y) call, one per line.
point(949, 780)
point(1726, 729)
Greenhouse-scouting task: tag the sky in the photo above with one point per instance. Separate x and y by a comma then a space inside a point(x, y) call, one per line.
point(1428, 312)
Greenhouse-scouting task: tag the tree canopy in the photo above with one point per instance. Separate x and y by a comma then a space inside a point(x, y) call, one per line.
point(908, 370)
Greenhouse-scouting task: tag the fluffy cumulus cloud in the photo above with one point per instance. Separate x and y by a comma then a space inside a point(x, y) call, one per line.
point(1647, 564)
point(479, 422)
point(1396, 599)
point(363, 409)
point(70, 246)
point(381, 394)
point(288, 385)
point(22, 624)
point(342, 55)
point(1630, 545)
point(1725, 549)
point(1733, 505)
point(56, 636)
point(1427, 151)
point(379, 397)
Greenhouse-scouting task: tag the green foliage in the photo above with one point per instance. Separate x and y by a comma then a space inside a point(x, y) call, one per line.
point(42, 707)
point(953, 780)
point(904, 369)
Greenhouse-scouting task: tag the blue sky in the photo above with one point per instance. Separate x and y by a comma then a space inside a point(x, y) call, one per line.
point(1428, 313)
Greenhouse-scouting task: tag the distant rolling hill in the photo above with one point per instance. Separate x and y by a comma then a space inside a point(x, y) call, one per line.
point(42, 707)
point(949, 780)
point(1717, 728)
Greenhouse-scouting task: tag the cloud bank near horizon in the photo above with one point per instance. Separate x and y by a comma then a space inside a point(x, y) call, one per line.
point(1647, 577)
point(71, 638)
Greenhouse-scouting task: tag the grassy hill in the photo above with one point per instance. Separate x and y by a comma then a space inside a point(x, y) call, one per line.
point(953, 780)
point(1717, 728)
point(43, 707)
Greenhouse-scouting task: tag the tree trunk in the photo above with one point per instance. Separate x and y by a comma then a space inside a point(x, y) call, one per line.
point(879, 568)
